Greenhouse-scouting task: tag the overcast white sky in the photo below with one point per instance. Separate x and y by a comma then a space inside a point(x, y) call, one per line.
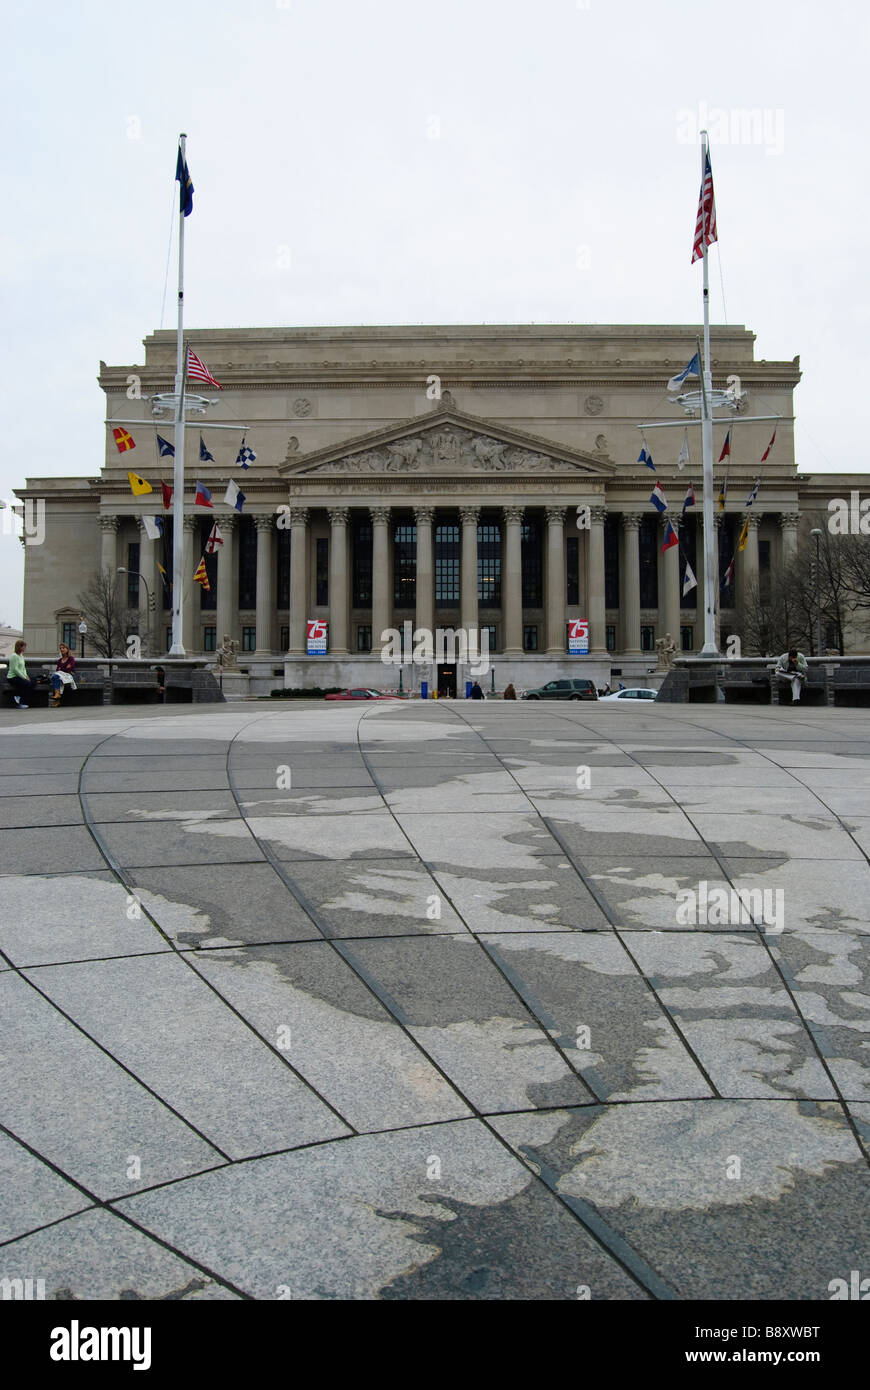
point(310, 126)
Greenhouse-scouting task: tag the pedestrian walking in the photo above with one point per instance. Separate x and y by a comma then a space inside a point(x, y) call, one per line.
point(509, 692)
point(476, 692)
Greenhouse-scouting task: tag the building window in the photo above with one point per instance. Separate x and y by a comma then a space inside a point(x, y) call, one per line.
point(726, 555)
point(611, 563)
point(764, 570)
point(531, 564)
point(207, 599)
point(647, 639)
point(405, 565)
point(285, 638)
point(322, 572)
point(364, 638)
point(648, 545)
point(446, 564)
point(209, 639)
point(249, 639)
point(247, 562)
point(362, 564)
point(688, 552)
point(69, 632)
point(489, 566)
point(166, 562)
point(530, 638)
point(283, 588)
point(572, 594)
point(610, 637)
point(490, 630)
point(133, 574)
point(687, 639)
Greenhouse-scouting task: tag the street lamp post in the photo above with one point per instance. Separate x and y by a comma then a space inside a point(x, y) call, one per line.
point(818, 535)
point(142, 580)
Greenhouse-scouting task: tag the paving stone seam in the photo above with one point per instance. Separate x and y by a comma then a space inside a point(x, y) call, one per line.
point(183, 955)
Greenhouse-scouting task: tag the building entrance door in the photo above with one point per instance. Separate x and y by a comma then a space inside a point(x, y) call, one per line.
point(447, 682)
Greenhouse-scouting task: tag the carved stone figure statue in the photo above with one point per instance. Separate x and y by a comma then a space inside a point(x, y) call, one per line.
point(226, 654)
point(667, 650)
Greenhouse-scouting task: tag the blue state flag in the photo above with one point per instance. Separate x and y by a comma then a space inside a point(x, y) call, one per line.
point(182, 174)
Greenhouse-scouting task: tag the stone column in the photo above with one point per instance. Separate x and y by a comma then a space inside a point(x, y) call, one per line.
point(595, 581)
point(149, 612)
point(265, 584)
point(382, 608)
point(298, 581)
point(468, 568)
point(631, 587)
point(109, 526)
point(425, 614)
point(556, 581)
point(226, 619)
point(669, 585)
point(512, 581)
point(191, 616)
point(749, 577)
point(789, 523)
point(338, 605)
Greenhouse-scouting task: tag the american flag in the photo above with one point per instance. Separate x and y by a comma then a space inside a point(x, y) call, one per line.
point(705, 223)
point(198, 371)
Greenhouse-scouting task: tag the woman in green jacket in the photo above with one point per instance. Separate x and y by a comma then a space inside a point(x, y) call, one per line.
point(16, 674)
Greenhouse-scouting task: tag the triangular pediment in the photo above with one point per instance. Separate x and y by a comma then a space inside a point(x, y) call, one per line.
point(446, 443)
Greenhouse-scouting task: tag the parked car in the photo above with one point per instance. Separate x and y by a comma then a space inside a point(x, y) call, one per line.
point(563, 690)
point(635, 692)
point(361, 693)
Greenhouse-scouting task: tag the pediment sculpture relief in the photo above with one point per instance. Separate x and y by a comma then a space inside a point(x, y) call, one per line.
point(446, 450)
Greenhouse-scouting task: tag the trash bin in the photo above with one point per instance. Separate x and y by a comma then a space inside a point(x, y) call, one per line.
point(424, 690)
point(468, 685)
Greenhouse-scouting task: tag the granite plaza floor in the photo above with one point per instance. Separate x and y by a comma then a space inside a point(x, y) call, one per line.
point(397, 1001)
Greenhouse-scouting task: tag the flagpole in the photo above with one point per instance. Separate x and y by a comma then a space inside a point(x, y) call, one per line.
point(177, 648)
point(711, 579)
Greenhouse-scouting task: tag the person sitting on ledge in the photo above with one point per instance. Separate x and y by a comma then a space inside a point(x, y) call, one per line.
point(63, 674)
point(792, 667)
point(16, 674)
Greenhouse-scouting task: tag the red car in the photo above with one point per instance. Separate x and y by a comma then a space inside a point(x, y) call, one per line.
point(361, 693)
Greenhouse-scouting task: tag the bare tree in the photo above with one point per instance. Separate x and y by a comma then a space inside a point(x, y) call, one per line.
point(102, 610)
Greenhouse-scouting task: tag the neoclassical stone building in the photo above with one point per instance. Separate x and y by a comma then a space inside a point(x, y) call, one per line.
point(429, 476)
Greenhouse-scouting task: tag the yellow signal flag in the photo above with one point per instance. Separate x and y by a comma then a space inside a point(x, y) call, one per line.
point(201, 577)
point(744, 535)
point(139, 485)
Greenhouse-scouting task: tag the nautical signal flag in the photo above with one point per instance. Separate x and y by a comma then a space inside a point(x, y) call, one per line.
point(754, 493)
point(684, 452)
point(671, 537)
point(769, 447)
point(167, 496)
point(164, 576)
point(246, 456)
point(729, 575)
point(214, 540)
point(726, 448)
point(123, 441)
point(198, 371)
point(723, 492)
point(153, 527)
point(689, 499)
point(185, 192)
point(657, 497)
point(233, 496)
point(138, 485)
point(744, 535)
point(200, 576)
point(203, 496)
point(689, 580)
point(705, 221)
point(692, 368)
point(645, 457)
point(204, 455)
point(164, 448)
